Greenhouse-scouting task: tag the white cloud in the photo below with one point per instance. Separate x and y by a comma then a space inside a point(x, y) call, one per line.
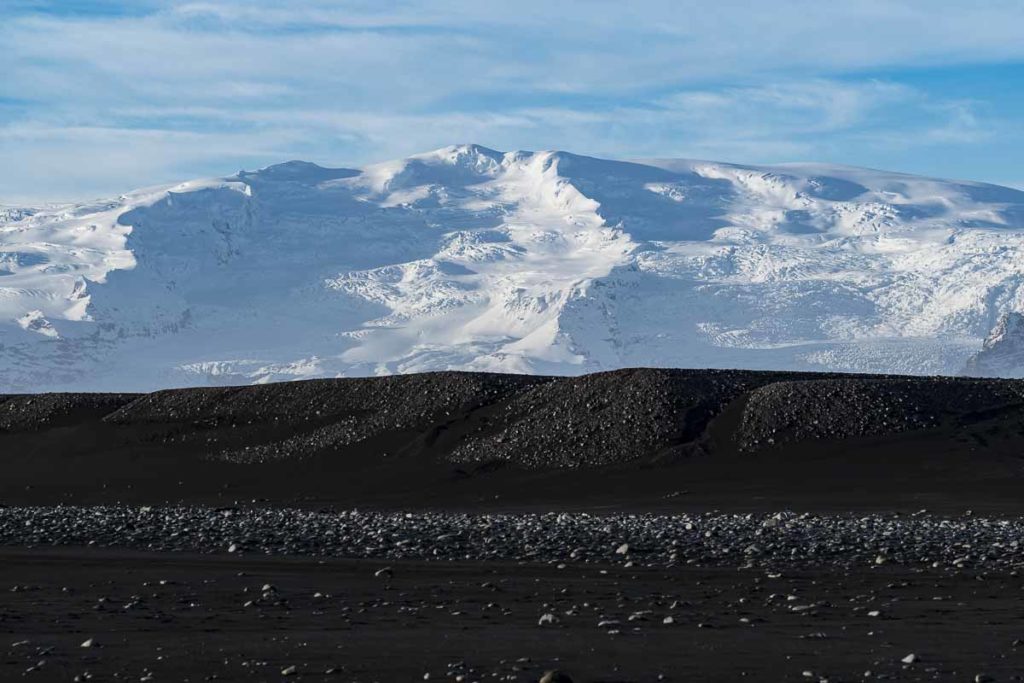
point(194, 87)
point(786, 121)
point(422, 51)
point(807, 106)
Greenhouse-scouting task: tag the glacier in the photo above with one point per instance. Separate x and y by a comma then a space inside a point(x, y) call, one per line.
point(468, 258)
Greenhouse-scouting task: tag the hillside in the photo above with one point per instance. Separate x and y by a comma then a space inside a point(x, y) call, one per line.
point(651, 439)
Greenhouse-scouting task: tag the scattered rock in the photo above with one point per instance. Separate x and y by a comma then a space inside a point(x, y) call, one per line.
point(555, 676)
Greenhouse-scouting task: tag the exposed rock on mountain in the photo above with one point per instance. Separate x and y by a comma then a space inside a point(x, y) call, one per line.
point(1002, 354)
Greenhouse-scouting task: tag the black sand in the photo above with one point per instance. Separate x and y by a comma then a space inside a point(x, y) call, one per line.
point(481, 619)
point(622, 443)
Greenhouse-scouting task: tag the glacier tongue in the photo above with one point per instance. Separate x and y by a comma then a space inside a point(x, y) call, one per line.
point(538, 262)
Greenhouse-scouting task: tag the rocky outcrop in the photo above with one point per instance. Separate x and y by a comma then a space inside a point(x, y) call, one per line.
point(1002, 353)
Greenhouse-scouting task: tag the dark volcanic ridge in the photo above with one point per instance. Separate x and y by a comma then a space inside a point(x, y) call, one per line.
point(770, 440)
point(601, 419)
point(320, 414)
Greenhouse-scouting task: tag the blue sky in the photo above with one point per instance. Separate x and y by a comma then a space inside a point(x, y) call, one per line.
point(98, 97)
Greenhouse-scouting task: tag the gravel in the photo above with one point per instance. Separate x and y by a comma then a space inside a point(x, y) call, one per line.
point(326, 414)
point(20, 412)
point(841, 408)
point(607, 418)
point(603, 419)
point(712, 540)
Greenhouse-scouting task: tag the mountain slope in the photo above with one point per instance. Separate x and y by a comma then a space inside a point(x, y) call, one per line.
point(535, 262)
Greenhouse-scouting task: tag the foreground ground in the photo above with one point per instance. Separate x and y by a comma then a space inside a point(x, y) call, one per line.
point(264, 594)
point(184, 617)
point(628, 526)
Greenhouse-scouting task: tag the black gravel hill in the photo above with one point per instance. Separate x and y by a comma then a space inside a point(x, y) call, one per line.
point(650, 438)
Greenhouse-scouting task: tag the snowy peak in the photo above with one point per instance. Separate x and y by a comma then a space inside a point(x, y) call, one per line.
point(544, 262)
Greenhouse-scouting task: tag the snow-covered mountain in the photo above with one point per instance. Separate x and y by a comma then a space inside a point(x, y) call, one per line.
point(538, 262)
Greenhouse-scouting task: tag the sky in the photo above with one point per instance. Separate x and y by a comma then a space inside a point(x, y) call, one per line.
point(98, 97)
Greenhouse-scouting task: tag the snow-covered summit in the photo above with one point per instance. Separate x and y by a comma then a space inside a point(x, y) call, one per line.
point(471, 258)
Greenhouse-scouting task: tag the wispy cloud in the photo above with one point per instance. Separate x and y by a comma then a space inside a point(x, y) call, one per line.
point(98, 95)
